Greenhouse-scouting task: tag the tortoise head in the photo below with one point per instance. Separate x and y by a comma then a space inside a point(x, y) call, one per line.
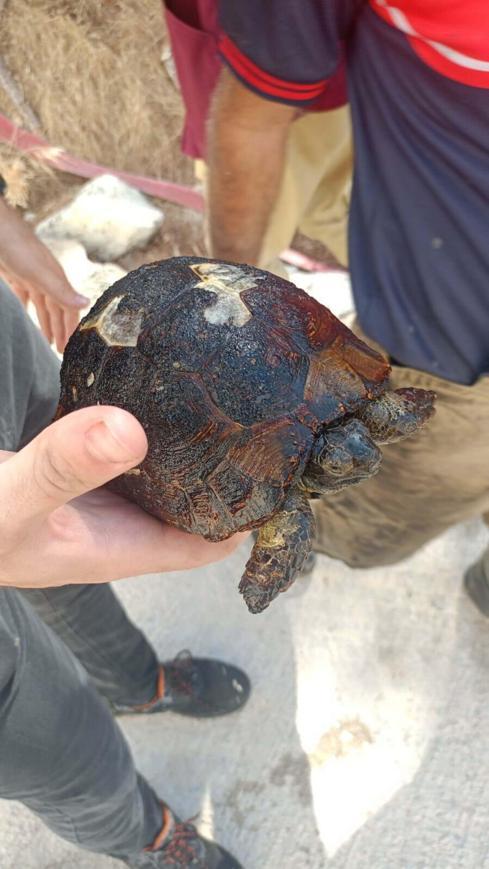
point(347, 453)
point(341, 456)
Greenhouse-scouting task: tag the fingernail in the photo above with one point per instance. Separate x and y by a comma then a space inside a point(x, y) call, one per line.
point(106, 446)
point(81, 300)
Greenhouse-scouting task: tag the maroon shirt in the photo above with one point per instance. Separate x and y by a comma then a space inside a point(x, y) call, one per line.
point(194, 35)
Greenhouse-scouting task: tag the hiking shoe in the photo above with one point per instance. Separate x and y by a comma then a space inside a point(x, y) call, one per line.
point(477, 587)
point(179, 846)
point(198, 687)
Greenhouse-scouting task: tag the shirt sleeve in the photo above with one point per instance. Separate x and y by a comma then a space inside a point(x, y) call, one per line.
point(285, 50)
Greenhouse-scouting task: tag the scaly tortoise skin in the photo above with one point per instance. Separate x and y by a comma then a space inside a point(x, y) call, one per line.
point(253, 396)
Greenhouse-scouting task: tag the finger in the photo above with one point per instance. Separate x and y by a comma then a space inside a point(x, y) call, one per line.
point(57, 323)
point(71, 320)
point(74, 455)
point(178, 550)
point(22, 296)
point(15, 285)
point(158, 547)
point(20, 292)
point(125, 540)
point(43, 317)
point(61, 291)
point(63, 323)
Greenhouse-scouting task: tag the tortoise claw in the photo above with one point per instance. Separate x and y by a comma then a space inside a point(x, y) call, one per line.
point(257, 598)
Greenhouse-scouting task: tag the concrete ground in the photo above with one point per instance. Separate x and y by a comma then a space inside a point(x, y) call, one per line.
point(364, 744)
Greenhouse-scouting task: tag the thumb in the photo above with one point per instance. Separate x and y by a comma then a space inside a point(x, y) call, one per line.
point(77, 453)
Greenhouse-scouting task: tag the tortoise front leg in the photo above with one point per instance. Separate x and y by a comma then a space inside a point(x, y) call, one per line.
point(283, 544)
point(397, 414)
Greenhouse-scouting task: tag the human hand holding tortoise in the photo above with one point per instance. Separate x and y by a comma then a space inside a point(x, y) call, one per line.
point(59, 527)
point(254, 399)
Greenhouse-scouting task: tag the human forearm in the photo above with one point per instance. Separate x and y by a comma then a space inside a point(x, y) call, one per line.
point(247, 142)
point(243, 186)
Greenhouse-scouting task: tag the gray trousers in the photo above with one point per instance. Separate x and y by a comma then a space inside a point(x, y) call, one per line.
point(61, 752)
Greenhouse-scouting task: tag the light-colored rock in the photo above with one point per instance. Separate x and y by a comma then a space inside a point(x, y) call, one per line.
point(331, 288)
point(86, 276)
point(72, 256)
point(107, 216)
point(100, 279)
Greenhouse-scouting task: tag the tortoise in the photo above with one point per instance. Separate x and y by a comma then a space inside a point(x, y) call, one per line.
point(254, 398)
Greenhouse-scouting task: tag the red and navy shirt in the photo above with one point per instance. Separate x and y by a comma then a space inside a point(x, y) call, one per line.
point(418, 79)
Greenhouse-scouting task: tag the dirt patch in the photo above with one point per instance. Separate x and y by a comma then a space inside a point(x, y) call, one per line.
point(92, 73)
point(340, 741)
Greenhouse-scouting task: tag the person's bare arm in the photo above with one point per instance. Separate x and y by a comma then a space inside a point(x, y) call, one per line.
point(246, 150)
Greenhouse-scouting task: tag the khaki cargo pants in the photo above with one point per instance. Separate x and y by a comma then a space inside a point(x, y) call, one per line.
point(426, 483)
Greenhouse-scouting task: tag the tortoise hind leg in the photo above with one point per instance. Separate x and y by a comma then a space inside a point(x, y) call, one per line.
point(283, 544)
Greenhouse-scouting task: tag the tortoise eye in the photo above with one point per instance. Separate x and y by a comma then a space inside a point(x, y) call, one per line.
point(339, 469)
point(337, 463)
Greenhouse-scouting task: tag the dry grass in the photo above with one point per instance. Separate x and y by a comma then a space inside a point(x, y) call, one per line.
point(91, 71)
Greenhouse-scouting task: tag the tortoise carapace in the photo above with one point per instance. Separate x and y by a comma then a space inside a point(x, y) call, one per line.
point(254, 398)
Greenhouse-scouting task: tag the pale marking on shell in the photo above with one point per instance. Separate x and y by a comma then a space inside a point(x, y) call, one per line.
point(227, 282)
point(90, 379)
point(133, 472)
point(117, 330)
